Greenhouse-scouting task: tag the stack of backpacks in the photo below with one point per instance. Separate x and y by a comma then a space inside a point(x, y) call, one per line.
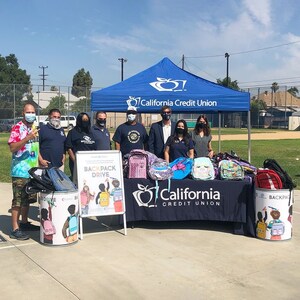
point(223, 166)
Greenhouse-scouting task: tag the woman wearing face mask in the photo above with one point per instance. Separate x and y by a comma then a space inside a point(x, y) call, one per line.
point(180, 143)
point(80, 138)
point(202, 138)
point(52, 142)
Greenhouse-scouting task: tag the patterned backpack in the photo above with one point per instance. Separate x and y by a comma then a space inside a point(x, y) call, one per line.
point(181, 167)
point(230, 170)
point(203, 169)
point(160, 170)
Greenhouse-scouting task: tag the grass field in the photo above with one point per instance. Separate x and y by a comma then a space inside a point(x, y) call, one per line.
point(286, 152)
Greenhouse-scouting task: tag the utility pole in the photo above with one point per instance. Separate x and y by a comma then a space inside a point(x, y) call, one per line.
point(122, 60)
point(182, 65)
point(227, 68)
point(43, 75)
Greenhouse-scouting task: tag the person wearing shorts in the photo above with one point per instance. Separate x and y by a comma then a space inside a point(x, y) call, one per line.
point(24, 146)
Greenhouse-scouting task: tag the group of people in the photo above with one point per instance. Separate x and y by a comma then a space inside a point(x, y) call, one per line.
point(47, 147)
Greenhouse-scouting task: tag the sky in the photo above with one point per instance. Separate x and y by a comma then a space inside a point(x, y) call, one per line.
point(262, 38)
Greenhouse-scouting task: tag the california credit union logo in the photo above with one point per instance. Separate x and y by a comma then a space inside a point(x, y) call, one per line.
point(144, 196)
point(133, 101)
point(168, 85)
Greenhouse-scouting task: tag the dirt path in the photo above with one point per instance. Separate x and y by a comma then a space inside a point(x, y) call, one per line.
point(280, 135)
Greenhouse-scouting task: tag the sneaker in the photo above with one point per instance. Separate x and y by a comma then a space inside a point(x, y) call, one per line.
point(28, 227)
point(19, 235)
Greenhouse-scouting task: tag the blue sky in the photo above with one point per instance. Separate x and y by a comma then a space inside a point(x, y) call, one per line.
point(69, 35)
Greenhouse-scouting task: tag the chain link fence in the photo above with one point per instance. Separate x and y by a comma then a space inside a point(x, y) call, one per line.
point(271, 106)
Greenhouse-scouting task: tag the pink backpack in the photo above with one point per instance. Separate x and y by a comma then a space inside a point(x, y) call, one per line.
point(48, 227)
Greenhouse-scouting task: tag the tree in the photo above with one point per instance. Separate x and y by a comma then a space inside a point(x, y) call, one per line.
point(274, 89)
point(53, 88)
point(293, 91)
point(231, 84)
point(82, 105)
point(56, 102)
point(256, 106)
point(82, 83)
point(14, 83)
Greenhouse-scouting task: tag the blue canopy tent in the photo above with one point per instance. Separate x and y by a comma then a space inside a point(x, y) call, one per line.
point(167, 84)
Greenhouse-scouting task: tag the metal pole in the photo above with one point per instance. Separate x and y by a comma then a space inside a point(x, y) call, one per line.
point(227, 68)
point(122, 60)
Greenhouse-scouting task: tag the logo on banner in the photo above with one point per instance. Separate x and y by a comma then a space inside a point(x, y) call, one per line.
point(133, 101)
point(144, 196)
point(168, 85)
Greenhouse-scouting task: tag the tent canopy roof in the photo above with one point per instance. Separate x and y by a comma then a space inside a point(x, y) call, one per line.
point(167, 84)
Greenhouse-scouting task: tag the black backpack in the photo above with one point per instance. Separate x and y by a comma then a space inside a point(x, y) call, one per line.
point(39, 181)
point(287, 182)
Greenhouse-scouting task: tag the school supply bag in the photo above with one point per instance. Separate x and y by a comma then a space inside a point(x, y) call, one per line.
point(230, 170)
point(39, 181)
point(277, 229)
point(48, 227)
point(73, 224)
point(203, 169)
point(287, 182)
point(60, 180)
point(181, 167)
point(139, 162)
point(268, 179)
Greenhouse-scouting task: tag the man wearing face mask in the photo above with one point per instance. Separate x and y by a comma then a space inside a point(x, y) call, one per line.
point(24, 146)
point(52, 142)
point(100, 132)
point(160, 131)
point(131, 134)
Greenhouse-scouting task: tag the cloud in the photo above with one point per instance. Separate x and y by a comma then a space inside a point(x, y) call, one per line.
point(259, 10)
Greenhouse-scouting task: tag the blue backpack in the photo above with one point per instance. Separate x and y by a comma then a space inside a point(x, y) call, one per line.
point(73, 224)
point(60, 180)
point(181, 167)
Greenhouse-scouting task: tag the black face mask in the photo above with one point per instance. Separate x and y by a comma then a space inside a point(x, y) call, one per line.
point(179, 130)
point(101, 122)
point(200, 125)
point(85, 124)
point(166, 116)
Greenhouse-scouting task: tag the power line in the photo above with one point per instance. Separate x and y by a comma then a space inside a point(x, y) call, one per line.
point(247, 51)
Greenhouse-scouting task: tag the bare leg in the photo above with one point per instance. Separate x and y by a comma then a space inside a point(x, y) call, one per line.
point(24, 214)
point(15, 214)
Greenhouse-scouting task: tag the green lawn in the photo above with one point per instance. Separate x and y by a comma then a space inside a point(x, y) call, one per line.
point(286, 152)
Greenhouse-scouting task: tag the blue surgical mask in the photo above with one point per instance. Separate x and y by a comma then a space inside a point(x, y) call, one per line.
point(30, 118)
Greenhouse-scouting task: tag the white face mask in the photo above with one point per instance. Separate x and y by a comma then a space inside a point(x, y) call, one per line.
point(131, 117)
point(55, 123)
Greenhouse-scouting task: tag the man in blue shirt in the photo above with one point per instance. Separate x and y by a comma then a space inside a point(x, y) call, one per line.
point(100, 132)
point(131, 134)
point(52, 141)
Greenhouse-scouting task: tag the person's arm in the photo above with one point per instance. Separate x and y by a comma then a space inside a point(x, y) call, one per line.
point(71, 154)
point(167, 154)
point(63, 159)
point(16, 146)
point(151, 140)
point(210, 150)
point(191, 153)
point(117, 146)
point(43, 162)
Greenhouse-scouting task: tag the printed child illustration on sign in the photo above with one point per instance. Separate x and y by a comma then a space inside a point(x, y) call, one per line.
point(85, 197)
point(117, 194)
point(70, 228)
point(276, 225)
point(261, 225)
point(103, 196)
point(47, 225)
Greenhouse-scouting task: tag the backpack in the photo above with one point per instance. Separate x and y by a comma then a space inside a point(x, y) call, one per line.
point(39, 181)
point(277, 229)
point(268, 179)
point(104, 198)
point(73, 225)
point(287, 182)
point(160, 170)
point(203, 169)
point(181, 167)
point(230, 170)
point(137, 164)
point(60, 180)
point(48, 227)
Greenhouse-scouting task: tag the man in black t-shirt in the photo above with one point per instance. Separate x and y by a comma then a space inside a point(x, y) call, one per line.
point(131, 134)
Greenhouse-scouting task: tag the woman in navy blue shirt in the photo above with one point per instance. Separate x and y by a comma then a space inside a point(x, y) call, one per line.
point(180, 143)
point(80, 138)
